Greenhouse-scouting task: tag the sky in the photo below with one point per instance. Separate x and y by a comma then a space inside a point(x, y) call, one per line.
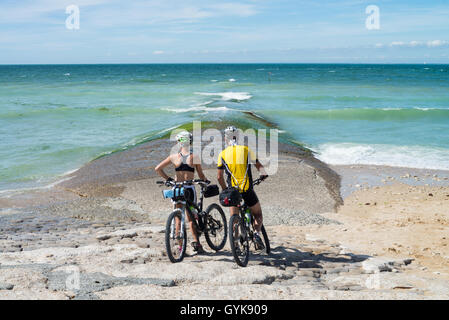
point(224, 31)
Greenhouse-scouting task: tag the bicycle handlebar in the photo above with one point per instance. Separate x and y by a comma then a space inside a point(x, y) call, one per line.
point(259, 181)
point(173, 183)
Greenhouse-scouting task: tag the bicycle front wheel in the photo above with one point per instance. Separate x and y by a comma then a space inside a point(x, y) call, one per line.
point(238, 237)
point(175, 237)
point(216, 227)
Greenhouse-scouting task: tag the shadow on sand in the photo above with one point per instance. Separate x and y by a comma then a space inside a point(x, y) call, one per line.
point(282, 256)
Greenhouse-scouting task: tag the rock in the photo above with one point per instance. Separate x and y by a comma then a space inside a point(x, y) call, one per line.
point(103, 237)
point(346, 287)
point(378, 264)
point(118, 234)
point(124, 234)
point(337, 270)
point(128, 260)
point(6, 286)
point(156, 229)
point(143, 243)
point(306, 273)
point(126, 241)
point(313, 238)
point(260, 275)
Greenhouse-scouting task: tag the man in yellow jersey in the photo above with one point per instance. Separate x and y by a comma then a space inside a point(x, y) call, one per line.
point(236, 160)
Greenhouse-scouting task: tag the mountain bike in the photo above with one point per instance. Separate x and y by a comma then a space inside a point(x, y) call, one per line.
point(211, 222)
point(241, 233)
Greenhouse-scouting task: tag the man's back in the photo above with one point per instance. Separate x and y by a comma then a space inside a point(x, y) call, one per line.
point(236, 160)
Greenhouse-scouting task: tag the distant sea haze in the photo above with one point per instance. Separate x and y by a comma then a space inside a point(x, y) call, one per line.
point(55, 118)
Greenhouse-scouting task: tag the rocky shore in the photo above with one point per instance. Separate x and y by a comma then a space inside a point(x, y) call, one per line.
point(99, 235)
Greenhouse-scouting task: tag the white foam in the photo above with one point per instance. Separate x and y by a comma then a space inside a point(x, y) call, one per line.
point(198, 108)
point(138, 140)
point(388, 155)
point(227, 96)
point(232, 80)
point(10, 192)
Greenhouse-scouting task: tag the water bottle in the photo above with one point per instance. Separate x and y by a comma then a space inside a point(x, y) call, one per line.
point(248, 217)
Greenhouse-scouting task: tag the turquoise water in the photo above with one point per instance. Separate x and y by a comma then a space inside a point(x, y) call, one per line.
point(53, 119)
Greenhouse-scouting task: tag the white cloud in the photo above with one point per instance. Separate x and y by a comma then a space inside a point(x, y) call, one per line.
point(157, 52)
point(397, 44)
point(436, 43)
point(415, 43)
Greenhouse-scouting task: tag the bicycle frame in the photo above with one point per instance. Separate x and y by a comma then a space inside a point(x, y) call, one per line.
point(244, 207)
point(186, 206)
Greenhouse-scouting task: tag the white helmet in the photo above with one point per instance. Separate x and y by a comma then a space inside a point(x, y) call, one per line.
point(231, 134)
point(184, 138)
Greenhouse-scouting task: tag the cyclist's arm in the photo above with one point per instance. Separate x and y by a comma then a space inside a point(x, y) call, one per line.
point(221, 169)
point(199, 168)
point(221, 179)
point(253, 159)
point(160, 168)
point(260, 168)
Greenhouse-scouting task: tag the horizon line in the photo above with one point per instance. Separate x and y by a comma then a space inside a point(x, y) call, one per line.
point(216, 63)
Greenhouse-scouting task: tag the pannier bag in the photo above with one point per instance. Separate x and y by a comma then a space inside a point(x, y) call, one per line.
point(211, 191)
point(230, 197)
point(176, 194)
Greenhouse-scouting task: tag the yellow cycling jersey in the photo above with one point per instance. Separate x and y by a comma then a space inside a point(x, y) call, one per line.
point(236, 160)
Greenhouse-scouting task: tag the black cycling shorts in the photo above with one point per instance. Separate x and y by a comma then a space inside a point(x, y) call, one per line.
point(250, 197)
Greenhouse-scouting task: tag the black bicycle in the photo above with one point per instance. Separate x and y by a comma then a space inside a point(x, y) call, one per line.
point(211, 222)
point(241, 233)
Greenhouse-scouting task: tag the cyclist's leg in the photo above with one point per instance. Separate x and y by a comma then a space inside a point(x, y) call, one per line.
point(256, 211)
point(192, 198)
point(192, 228)
point(233, 210)
point(253, 203)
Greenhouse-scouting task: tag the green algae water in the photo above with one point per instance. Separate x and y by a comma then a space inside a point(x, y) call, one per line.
point(55, 118)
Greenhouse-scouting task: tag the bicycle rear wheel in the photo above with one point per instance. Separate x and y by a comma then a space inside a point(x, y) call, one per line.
point(266, 240)
point(175, 237)
point(216, 227)
point(238, 237)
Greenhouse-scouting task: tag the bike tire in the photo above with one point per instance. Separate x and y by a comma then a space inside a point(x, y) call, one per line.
point(211, 225)
point(240, 258)
point(168, 237)
point(266, 240)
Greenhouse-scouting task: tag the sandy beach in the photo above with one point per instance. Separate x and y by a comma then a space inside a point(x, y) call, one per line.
point(339, 232)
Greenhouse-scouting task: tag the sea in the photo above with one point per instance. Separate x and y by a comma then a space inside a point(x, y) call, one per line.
point(55, 118)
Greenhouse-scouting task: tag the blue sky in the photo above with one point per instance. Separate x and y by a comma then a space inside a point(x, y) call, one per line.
point(138, 31)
